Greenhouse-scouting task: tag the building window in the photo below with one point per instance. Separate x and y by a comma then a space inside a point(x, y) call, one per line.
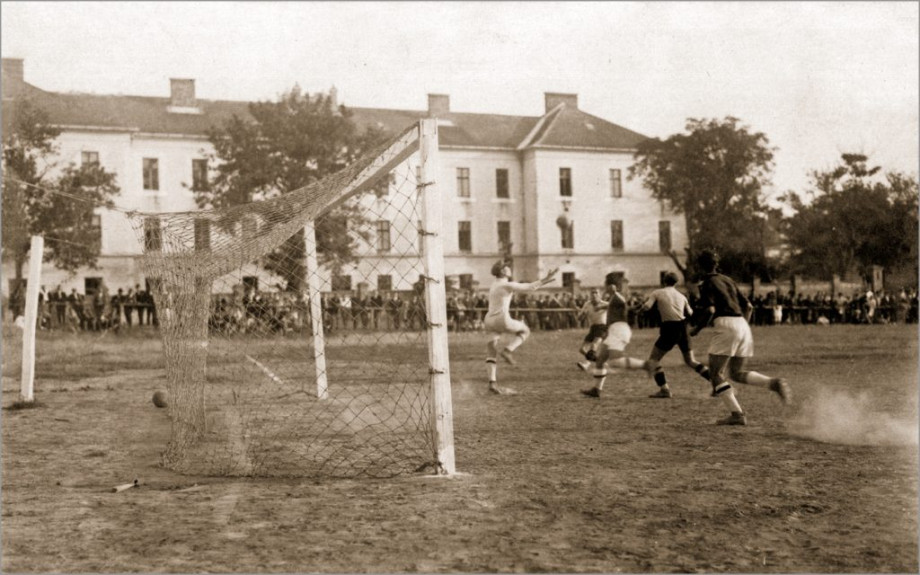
point(568, 236)
point(202, 235)
point(463, 182)
point(568, 279)
point(504, 237)
point(341, 283)
point(616, 184)
point(383, 236)
point(382, 186)
point(664, 236)
point(464, 236)
point(89, 158)
point(96, 224)
point(153, 235)
point(384, 282)
point(501, 184)
point(251, 283)
point(151, 174)
point(565, 182)
point(91, 285)
point(616, 234)
point(199, 175)
point(619, 278)
point(466, 281)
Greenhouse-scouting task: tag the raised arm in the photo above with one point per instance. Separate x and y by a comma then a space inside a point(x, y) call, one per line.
point(520, 286)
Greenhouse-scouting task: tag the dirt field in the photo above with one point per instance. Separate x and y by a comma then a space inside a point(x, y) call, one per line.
point(550, 481)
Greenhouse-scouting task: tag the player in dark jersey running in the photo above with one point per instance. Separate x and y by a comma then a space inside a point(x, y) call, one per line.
point(675, 312)
point(595, 310)
point(732, 343)
point(612, 350)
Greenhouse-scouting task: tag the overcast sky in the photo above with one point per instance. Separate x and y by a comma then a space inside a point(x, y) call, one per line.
point(818, 79)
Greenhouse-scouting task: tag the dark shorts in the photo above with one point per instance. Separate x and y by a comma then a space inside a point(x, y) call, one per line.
point(596, 331)
point(674, 333)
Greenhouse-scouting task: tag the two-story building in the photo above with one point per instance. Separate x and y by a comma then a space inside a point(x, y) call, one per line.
point(552, 189)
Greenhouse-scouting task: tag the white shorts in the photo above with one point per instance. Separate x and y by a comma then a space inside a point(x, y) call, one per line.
point(618, 336)
point(503, 324)
point(732, 337)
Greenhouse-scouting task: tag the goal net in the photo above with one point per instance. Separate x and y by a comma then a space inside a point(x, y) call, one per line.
point(286, 359)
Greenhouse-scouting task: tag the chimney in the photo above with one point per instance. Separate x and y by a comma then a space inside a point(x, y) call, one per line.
point(182, 93)
point(553, 99)
point(438, 104)
point(13, 69)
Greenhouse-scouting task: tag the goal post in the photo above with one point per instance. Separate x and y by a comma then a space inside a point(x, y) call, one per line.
point(435, 296)
point(289, 356)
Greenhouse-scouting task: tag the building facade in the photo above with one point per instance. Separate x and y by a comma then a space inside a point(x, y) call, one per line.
point(551, 190)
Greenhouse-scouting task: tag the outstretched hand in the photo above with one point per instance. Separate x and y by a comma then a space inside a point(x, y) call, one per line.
point(552, 274)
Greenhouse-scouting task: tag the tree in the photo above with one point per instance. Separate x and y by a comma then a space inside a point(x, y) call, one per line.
point(852, 219)
point(714, 175)
point(41, 198)
point(284, 146)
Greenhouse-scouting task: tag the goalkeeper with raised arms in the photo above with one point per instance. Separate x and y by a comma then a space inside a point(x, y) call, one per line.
point(498, 320)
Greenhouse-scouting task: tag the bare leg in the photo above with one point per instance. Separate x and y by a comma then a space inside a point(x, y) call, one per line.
point(720, 386)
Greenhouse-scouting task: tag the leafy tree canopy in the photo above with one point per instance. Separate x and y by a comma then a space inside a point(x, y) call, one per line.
point(283, 146)
point(42, 198)
point(851, 219)
point(714, 175)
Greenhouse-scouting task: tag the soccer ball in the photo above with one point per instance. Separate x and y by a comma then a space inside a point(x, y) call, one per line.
point(159, 398)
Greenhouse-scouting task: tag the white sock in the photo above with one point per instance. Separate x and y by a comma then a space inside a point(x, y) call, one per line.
point(600, 376)
point(493, 368)
point(728, 397)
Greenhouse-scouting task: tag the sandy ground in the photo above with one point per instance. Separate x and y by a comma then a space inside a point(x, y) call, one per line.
point(549, 481)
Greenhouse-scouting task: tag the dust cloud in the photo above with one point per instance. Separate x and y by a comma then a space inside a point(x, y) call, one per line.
point(836, 416)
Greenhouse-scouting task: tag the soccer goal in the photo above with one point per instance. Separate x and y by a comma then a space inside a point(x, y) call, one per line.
point(285, 357)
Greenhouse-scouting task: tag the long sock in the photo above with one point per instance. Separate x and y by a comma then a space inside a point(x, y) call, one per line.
point(660, 378)
point(728, 397)
point(754, 378)
point(702, 370)
point(600, 376)
point(490, 364)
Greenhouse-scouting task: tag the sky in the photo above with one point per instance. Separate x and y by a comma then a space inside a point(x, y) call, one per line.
point(817, 78)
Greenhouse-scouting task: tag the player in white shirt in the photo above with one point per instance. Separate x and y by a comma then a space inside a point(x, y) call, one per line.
point(498, 320)
point(675, 312)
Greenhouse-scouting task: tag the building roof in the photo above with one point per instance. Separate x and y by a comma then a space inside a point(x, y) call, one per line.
point(562, 127)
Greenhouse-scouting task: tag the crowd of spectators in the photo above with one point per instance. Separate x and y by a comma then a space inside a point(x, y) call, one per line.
point(98, 310)
point(284, 311)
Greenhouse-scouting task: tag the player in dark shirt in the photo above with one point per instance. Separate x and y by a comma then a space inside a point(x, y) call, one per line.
point(612, 350)
point(729, 311)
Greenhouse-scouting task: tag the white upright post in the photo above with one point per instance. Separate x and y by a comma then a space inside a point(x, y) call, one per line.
point(27, 383)
point(435, 297)
point(316, 311)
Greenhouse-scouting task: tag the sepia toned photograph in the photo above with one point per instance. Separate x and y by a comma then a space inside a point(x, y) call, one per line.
point(460, 287)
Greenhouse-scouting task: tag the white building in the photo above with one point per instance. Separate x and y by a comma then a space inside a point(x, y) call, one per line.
point(503, 178)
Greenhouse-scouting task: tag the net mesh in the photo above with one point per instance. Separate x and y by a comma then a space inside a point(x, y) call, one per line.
point(282, 360)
